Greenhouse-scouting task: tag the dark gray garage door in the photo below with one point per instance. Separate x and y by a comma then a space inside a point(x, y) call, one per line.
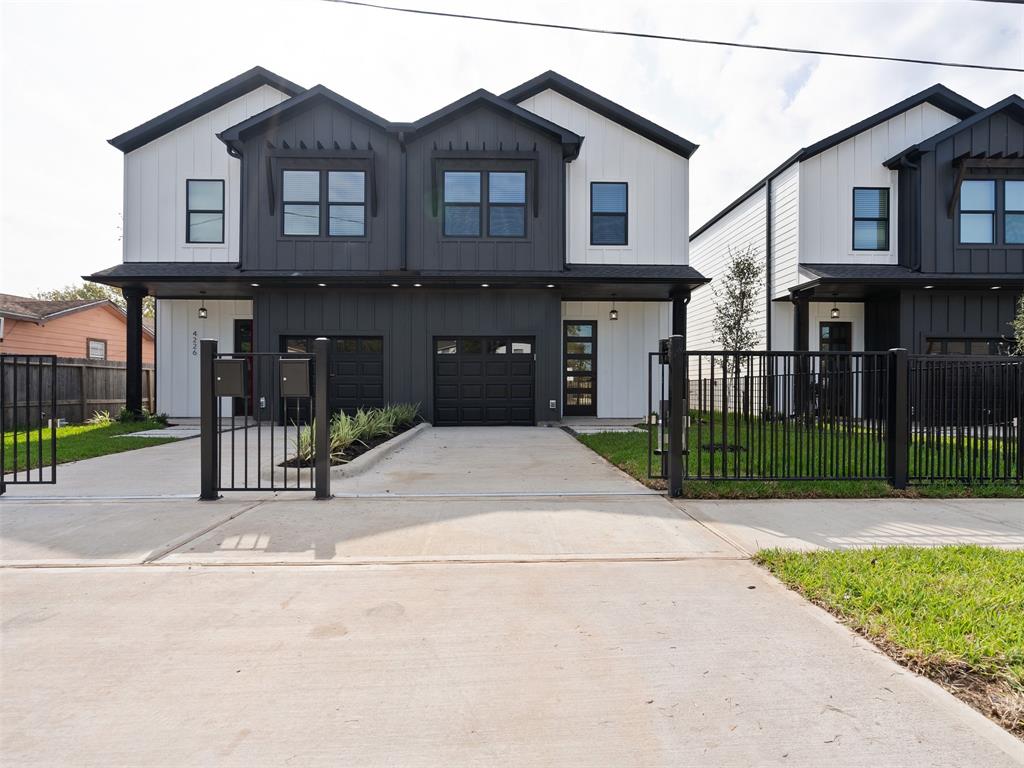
point(356, 370)
point(483, 380)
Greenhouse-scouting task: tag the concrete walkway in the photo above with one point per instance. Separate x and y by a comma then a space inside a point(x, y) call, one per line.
point(483, 597)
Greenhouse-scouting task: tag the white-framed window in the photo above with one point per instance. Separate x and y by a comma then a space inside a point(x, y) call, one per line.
point(96, 349)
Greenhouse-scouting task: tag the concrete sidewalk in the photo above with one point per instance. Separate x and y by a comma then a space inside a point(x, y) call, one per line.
point(807, 524)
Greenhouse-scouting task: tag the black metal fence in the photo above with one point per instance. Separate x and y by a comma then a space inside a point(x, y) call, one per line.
point(28, 402)
point(263, 421)
point(834, 416)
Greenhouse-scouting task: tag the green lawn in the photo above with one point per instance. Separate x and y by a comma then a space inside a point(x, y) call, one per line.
point(955, 614)
point(628, 451)
point(81, 441)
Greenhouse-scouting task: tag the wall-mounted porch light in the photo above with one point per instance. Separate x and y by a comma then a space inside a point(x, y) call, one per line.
point(834, 312)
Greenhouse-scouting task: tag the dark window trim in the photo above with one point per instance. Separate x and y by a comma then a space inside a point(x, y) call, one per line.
point(189, 211)
point(997, 341)
point(1010, 212)
point(991, 212)
point(89, 341)
point(624, 215)
point(326, 176)
point(593, 367)
point(319, 203)
point(323, 169)
point(856, 218)
point(484, 205)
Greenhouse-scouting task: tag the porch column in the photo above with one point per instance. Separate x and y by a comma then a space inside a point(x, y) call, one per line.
point(801, 367)
point(801, 320)
point(680, 298)
point(133, 358)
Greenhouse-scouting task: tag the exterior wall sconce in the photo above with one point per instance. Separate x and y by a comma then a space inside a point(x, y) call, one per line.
point(834, 312)
point(613, 314)
point(203, 313)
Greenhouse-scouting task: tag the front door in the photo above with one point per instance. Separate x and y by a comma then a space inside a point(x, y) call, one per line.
point(579, 352)
point(836, 380)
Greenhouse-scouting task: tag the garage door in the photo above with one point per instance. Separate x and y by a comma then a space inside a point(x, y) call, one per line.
point(483, 380)
point(356, 367)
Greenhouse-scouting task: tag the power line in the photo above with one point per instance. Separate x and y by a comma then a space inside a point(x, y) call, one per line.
point(672, 38)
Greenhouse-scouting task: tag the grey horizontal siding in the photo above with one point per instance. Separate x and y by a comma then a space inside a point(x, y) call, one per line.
point(408, 320)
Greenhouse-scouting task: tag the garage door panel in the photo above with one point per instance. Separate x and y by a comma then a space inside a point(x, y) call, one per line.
point(477, 381)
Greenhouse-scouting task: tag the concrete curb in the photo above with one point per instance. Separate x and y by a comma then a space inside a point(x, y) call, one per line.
point(366, 461)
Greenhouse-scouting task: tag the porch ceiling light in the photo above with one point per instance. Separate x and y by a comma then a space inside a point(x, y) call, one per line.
point(255, 285)
point(203, 313)
point(394, 285)
point(928, 287)
point(417, 285)
point(834, 312)
point(322, 285)
point(485, 285)
point(551, 285)
point(995, 287)
point(614, 313)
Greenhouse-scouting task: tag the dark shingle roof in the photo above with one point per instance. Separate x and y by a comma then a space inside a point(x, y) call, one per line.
point(38, 310)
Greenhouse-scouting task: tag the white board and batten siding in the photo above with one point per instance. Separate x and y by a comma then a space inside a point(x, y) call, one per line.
point(658, 179)
point(827, 181)
point(178, 333)
point(622, 351)
point(154, 184)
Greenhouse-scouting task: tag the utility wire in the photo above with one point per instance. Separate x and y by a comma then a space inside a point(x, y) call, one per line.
point(672, 38)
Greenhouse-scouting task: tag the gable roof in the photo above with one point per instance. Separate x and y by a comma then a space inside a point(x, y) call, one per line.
point(551, 80)
point(938, 95)
point(38, 310)
point(570, 141)
point(200, 105)
point(306, 100)
point(1013, 104)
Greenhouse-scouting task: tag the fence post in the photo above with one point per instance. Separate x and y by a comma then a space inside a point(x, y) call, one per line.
point(897, 438)
point(321, 428)
point(676, 413)
point(207, 421)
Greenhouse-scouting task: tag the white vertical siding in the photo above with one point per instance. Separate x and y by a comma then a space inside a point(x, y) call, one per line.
point(622, 349)
point(849, 312)
point(709, 254)
point(178, 332)
point(785, 230)
point(658, 187)
point(827, 181)
point(154, 184)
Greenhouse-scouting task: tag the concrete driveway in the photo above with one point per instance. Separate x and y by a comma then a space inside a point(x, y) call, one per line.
point(482, 597)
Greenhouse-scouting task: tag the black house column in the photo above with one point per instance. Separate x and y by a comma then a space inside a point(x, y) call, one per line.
point(133, 358)
point(801, 363)
point(680, 298)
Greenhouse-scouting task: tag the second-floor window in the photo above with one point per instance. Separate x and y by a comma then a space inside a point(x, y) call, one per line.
point(977, 211)
point(204, 217)
point(609, 213)
point(870, 218)
point(1013, 208)
point(465, 211)
point(345, 209)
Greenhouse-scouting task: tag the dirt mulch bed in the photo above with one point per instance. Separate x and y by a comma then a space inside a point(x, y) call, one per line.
point(353, 451)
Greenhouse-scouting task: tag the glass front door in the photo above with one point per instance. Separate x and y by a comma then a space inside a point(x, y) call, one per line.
point(579, 352)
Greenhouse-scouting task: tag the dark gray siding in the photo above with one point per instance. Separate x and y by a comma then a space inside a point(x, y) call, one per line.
point(980, 314)
point(486, 132)
point(262, 245)
point(932, 238)
point(408, 320)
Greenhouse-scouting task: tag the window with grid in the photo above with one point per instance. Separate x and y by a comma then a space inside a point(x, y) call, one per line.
point(346, 201)
point(1013, 212)
point(506, 204)
point(870, 218)
point(300, 203)
point(204, 206)
point(977, 211)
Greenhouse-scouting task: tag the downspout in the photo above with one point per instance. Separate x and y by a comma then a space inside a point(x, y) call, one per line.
point(403, 217)
point(768, 263)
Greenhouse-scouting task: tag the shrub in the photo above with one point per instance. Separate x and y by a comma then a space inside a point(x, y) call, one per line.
point(100, 419)
point(361, 427)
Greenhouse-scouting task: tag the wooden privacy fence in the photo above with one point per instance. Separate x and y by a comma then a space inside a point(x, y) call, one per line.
point(83, 387)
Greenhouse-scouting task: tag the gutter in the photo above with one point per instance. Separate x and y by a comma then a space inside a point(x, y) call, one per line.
point(768, 264)
point(403, 223)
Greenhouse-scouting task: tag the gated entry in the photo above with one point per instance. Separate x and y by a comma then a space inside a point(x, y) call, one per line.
point(888, 416)
point(28, 420)
point(273, 445)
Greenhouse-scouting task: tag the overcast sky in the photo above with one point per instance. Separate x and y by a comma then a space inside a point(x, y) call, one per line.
point(75, 74)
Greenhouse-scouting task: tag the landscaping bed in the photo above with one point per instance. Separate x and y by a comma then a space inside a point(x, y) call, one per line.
point(352, 436)
point(82, 441)
point(628, 451)
point(954, 614)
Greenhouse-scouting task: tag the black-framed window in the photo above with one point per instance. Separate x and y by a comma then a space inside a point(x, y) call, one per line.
point(506, 203)
point(609, 213)
point(966, 346)
point(300, 203)
point(1013, 212)
point(346, 203)
point(977, 211)
point(871, 218)
point(462, 203)
point(204, 211)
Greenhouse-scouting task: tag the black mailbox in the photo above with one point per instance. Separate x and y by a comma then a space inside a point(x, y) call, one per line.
point(295, 377)
point(229, 377)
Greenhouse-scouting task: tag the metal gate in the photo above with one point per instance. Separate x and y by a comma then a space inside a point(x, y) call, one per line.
point(256, 433)
point(28, 423)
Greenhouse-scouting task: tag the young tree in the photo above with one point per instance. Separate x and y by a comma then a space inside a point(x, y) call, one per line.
point(95, 291)
point(1017, 324)
point(736, 300)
